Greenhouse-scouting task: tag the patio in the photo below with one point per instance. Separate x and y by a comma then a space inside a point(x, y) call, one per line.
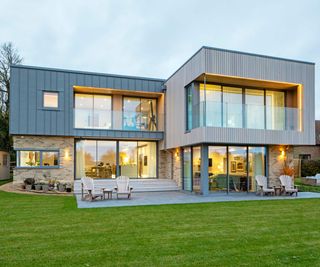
point(177, 197)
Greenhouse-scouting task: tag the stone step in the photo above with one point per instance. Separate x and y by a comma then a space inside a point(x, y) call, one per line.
point(139, 185)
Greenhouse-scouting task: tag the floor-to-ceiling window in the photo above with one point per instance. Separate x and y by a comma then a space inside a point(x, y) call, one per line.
point(275, 110)
point(139, 114)
point(92, 111)
point(217, 168)
point(237, 167)
point(98, 159)
point(196, 168)
point(187, 169)
point(232, 107)
point(210, 101)
point(255, 109)
point(256, 165)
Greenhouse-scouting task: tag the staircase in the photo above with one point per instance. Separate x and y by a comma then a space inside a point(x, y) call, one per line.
point(139, 185)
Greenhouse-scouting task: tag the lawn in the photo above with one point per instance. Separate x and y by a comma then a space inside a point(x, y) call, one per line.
point(51, 231)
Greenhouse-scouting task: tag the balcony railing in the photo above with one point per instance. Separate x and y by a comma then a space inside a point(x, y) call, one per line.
point(117, 120)
point(232, 115)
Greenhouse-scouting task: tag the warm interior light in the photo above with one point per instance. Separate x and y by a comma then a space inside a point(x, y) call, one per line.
point(66, 154)
point(125, 160)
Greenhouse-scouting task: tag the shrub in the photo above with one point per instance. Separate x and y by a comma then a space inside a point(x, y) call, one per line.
point(310, 167)
point(29, 181)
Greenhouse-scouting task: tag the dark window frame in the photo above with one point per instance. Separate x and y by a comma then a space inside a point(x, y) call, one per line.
point(41, 151)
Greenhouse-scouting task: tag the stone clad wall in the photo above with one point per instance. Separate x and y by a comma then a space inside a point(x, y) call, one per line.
point(314, 151)
point(276, 162)
point(66, 147)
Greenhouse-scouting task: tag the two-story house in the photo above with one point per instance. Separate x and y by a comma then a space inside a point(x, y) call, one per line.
point(220, 119)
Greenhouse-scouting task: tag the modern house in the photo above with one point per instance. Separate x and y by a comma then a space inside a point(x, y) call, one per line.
point(220, 119)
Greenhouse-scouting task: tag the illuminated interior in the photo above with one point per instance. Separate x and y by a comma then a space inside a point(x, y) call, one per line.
point(50, 100)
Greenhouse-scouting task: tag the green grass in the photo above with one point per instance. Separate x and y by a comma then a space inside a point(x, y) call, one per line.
point(306, 188)
point(51, 231)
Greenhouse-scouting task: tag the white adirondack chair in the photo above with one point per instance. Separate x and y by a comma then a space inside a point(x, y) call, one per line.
point(288, 185)
point(88, 190)
point(262, 183)
point(123, 187)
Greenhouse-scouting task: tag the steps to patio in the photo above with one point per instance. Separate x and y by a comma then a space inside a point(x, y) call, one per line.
point(139, 185)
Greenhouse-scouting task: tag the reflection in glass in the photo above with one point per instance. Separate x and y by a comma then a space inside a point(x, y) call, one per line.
point(237, 169)
point(210, 95)
point(275, 111)
point(189, 108)
point(217, 168)
point(29, 158)
point(196, 168)
point(128, 158)
point(93, 111)
point(232, 107)
point(50, 158)
point(256, 165)
point(187, 169)
point(148, 114)
point(254, 108)
point(106, 159)
point(147, 162)
point(86, 151)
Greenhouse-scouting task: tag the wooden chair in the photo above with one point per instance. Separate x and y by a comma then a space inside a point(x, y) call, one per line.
point(88, 190)
point(262, 183)
point(123, 187)
point(288, 185)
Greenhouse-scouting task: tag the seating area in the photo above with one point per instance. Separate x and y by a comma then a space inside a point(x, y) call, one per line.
point(287, 186)
point(91, 192)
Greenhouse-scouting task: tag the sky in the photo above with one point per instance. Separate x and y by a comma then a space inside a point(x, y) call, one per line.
point(154, 38)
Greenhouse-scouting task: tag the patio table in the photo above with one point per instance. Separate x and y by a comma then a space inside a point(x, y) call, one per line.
point(107, 191)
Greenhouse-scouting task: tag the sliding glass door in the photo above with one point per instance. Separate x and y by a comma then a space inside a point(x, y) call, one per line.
point(187, 169)
point(217, 168)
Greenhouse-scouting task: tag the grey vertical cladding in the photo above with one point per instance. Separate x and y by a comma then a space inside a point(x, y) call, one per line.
point(232, 63)
point(27, 115)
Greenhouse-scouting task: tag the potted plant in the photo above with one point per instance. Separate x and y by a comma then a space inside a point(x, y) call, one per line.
point(51, 184)
point(69, 187)
point(38, 186)
point(61, 187)
point(45, 187)
point(29, 183)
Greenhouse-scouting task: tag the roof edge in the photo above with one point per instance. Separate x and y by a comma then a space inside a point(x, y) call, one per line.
point(87, 73)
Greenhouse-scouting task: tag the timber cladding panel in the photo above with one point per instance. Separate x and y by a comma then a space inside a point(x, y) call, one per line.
point(232, 63)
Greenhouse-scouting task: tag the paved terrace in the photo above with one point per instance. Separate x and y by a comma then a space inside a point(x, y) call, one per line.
point(160, 198)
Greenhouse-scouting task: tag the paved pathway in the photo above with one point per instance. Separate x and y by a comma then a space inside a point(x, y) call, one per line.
point(159, 198)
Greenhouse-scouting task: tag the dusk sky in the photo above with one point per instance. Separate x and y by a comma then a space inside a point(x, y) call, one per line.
point(153, 38)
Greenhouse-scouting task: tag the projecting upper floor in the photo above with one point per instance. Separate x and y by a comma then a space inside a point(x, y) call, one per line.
point(69, 103)
point(240, 98)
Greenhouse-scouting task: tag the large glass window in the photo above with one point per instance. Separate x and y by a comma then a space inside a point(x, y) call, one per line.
point(237, 169)
point(37, 158)
point(128, 159)
point(210, 97)
point(139, 114)
point(275, 110)
point(96, 159)
point(196, 168)
point(189, 107)
point(232, 107)
point(147, 162)
point(217, 168)
point(187, 167)
point(93, 111)
point(255, 109)
point(256, 165)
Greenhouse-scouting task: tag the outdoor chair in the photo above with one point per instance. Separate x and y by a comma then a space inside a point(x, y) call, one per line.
point(123, 187)
point(88, 190)
point(263, 187)
point(288, 185)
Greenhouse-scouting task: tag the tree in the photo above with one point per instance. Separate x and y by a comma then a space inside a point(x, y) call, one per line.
point(8, 56)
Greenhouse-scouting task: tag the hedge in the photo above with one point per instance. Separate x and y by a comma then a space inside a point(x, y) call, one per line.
point(309, 167)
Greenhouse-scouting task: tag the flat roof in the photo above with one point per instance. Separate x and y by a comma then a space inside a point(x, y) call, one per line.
point(87, 73)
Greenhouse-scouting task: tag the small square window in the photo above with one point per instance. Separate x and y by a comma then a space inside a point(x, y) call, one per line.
point(50, 100)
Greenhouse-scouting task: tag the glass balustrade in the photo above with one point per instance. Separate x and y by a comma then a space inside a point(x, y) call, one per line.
point(117, 120)
point(234, 115)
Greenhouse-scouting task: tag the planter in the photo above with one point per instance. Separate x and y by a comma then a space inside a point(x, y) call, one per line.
point(61, 187)
point(29, 187)
point(38, 187)
point(45, 188)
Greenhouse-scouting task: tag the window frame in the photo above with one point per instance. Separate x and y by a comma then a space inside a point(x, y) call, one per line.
point(41, 151)
point(43, 99)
